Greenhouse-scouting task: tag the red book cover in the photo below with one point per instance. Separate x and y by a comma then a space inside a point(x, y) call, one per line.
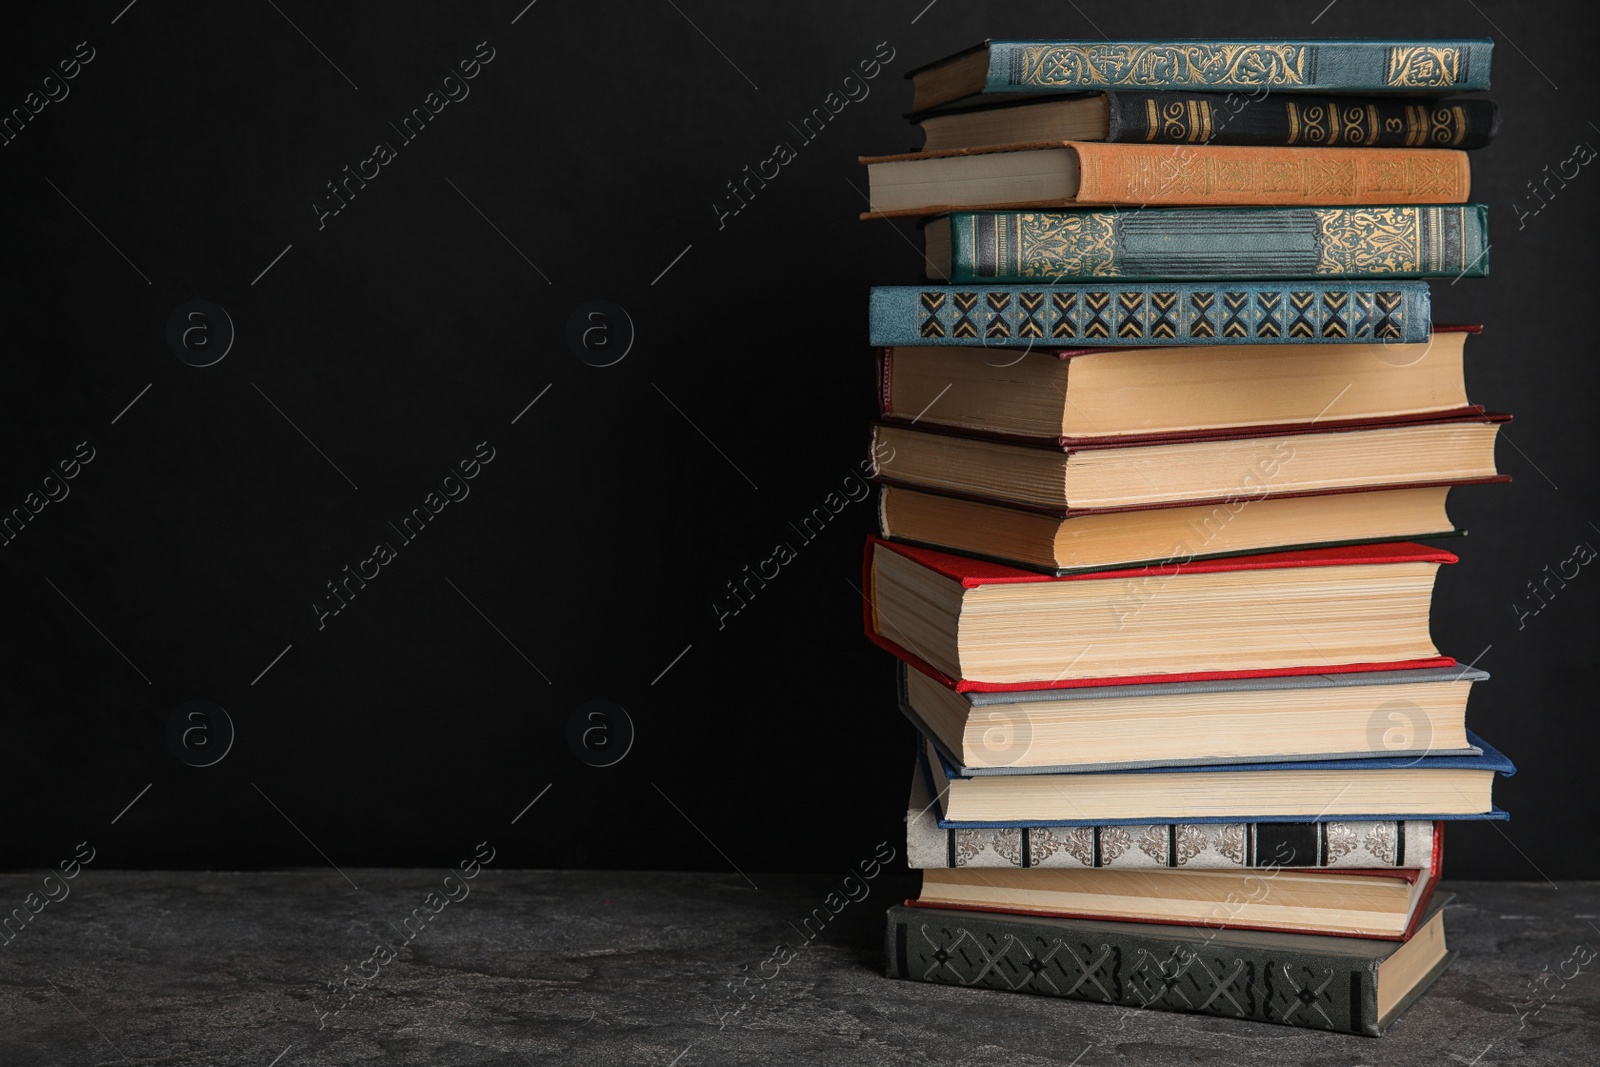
point(1430, 876)
point(971, 573)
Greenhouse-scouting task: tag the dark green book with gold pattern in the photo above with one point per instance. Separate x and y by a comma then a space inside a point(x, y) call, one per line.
point(1285, 119)
point(1406, 241)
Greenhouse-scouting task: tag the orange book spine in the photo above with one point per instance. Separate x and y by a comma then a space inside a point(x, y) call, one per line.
point(1209, 174)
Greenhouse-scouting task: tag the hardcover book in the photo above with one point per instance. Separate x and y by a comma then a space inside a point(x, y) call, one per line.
point(982, 625)
point(1433, 787)
point(1215, 118)
point(1346, 985)
point(1374, 714)
point(1084, 173)
point(1227, 465)
point(1063, 394)
point(1081, 542)
point(1139, 314)
point(1382, 903)
point(1365, 65)
point(1343, 844)
point(1394, 241)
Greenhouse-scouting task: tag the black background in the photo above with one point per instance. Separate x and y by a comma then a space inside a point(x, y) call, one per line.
point(407, 330)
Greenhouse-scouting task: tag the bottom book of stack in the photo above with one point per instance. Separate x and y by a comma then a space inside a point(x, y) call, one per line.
point(1346, 984)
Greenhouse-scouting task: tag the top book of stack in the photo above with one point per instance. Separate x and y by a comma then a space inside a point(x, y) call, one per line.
point(1297, 66)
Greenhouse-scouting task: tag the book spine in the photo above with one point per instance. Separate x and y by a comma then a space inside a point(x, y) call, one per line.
point(1161, 313)
point(1258, 981)
point(1222, 243)
point(1194, 846)
point(1308, 121)
point(1284, 66)
point(1140, 174)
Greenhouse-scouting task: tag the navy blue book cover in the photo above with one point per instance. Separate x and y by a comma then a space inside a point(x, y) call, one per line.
point(1491, 759)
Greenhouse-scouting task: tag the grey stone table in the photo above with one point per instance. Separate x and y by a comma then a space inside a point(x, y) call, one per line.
point(677, 970)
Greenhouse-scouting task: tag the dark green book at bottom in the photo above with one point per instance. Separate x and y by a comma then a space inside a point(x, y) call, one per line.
point(1344, 984)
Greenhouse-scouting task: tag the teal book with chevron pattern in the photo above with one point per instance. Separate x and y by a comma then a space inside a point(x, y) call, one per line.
point(1367, 65)
point(1152, 313)
point(1401, 241)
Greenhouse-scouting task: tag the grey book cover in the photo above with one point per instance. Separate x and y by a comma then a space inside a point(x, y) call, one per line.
point(1197, 846)
point(1322, 983)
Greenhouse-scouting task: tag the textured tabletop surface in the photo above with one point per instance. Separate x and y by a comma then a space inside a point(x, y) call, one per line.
point(532, 967)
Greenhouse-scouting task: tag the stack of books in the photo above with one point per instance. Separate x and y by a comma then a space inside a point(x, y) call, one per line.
point(1158, 439)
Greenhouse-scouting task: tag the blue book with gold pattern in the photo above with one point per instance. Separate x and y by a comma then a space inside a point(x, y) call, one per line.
point(1404, 241)
point(1151, 313)
point(1367, 65)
